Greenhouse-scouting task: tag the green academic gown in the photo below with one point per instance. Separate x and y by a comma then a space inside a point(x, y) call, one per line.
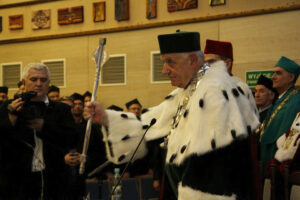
point(279, 125)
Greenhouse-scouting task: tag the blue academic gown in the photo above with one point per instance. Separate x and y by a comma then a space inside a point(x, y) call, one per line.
point(279, 125)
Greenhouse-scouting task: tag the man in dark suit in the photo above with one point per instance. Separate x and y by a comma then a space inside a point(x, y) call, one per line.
point(53, 93)
point(265, 95)
point(35, 135)
point(95, 154)
point(3, 94)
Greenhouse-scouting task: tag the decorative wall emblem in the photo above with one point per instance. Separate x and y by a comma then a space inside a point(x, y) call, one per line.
point(41, 19)
point(175, 5)
point(16, 22)
point(151, 11)
point(217, 2)
point(70, 15)
point(99, 11)
point(121, 10)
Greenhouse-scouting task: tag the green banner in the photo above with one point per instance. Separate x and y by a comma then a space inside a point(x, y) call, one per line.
point(252, 76)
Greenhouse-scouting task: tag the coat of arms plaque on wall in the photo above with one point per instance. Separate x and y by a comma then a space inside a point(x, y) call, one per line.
point(41, 19)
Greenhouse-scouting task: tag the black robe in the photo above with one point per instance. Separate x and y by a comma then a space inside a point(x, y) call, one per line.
point(95, 156)
point(263, 114)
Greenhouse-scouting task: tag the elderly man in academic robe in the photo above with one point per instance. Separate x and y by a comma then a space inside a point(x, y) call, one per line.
point(205, 121)
point(281, 117)
point(265, 95)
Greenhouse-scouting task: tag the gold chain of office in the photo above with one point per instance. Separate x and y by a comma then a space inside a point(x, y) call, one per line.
point(263, 126)
point(184, 102)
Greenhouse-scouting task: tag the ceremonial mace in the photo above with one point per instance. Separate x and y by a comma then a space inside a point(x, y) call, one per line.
point(98, 58)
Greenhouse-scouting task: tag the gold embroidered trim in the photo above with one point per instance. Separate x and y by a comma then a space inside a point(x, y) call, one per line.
point(264, 125)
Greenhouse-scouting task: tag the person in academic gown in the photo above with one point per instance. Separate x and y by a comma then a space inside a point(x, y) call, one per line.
point(281, 117)
point(265, 95)
point(206, 122)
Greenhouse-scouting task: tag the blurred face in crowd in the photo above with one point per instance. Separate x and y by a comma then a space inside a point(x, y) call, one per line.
point(212, 58)
point(38, 81)
point(77, 107)
point(180, 67)
point(54, 95)
point(136, 109)
point(282, 80)
point(3, 96)
point(87, 99)
point(263, 96)
point(22, 88)
point(67, 101)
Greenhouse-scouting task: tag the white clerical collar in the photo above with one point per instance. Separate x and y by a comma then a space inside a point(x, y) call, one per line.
point(265, 108)
point(282, 94)
point(46, 101)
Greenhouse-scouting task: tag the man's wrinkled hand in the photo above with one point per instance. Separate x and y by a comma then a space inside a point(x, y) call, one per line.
point(156, 185)
point(95, 110)
point(15, 105)
point(72, 159)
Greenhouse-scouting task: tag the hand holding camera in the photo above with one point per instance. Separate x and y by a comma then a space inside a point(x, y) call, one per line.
point(19, 100)
point(15, 106)
point(30, 112)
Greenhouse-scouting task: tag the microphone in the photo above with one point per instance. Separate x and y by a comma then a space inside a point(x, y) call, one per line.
point(98, 169)
point(153, 121)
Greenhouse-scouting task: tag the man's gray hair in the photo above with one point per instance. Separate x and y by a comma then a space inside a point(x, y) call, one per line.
point(36, 66)
point(199, 54)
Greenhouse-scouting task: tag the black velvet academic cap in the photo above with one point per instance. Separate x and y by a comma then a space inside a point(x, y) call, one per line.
point(76, 96)
point(53, 88)
point(134, 101)
point(114, 107)
point(179, 42)
point(4, 89)
point(19, 83)
point(87, 93)
point(268, 83)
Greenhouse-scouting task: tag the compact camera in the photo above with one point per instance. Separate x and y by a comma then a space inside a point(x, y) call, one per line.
point(26, 96)
point(30, 109)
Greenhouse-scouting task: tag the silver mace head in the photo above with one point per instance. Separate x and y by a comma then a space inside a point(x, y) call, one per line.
point(203, 69)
